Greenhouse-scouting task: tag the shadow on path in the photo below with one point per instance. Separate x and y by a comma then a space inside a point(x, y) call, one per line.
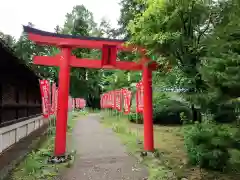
point(100, 155)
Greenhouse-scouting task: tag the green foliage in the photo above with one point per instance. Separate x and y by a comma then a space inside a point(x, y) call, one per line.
point(35, 165)
point(7, 39)
point(207, 145)
point(129, 9)
point(32, 164)
point(135, 117)
point(115, 113)
point(118, 79)
point(221, 108)
point(173, 31)
point(225, 113)
point(167, 111)
point(221, 66)
point(236, 143)
point(199, 39)
point(119, 128)
point(173, 78)
point(84, 83)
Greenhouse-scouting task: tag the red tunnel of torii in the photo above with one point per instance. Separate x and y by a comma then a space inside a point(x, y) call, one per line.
point(64, 60)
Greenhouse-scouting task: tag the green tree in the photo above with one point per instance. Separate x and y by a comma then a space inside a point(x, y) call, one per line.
point(221, 67)
point(7, 39)
point(78, 22)
point(174, 31)
point(84, 82)
point(26, 50)
point(129, 9)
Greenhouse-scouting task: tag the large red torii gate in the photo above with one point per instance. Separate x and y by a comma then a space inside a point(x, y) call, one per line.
point(65, 60)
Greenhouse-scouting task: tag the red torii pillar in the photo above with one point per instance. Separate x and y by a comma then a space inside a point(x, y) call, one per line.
point(63, 91)
point(109, 53)
point(148, 109)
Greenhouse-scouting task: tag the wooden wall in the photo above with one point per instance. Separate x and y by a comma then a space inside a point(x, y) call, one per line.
point(20, 97)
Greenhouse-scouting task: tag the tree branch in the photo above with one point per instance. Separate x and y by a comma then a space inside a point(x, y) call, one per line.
point(177, 54)
point(201, 33)
point(181, 15)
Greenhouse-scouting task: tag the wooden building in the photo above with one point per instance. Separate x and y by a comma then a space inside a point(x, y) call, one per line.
point(20, 102)
point(19, 89)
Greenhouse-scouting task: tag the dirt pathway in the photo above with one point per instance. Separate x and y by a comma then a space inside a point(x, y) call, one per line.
point(100, 155)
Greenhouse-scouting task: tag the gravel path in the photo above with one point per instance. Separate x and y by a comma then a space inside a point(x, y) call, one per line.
point(100, 155)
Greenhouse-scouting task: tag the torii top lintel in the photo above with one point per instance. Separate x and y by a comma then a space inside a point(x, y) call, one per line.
point(48, 38)
point(109, 48)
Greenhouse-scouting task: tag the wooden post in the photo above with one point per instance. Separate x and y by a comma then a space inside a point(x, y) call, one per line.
point(63, 91)
point(147, 111)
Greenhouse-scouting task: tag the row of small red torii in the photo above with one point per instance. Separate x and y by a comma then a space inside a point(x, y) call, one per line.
point(114, 99)
point(49, 99)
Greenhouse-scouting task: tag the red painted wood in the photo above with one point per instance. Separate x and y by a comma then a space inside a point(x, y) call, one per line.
point(74, 62)
point(113, 55)
point(84, 62)
point(90, 63)
point(148, 109)
point(64, 75)
point(104, 60)
point(78, 43)
point(46, 60)
point(62, 112)
point(126, 65)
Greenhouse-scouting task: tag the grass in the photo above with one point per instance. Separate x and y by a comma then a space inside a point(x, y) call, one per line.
point(35, 165)
point(90, 110)
point(170, 163)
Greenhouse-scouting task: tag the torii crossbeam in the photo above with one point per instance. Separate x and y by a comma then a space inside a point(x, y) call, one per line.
point(65, 60)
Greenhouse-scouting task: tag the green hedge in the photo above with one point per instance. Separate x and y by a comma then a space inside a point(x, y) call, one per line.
point(225, 113)
point(169, 112)
point(164, 112)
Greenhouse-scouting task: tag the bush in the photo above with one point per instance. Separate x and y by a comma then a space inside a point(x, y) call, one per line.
point(165, 111)
point(207, 145)
point(135, 117)
point(225, 113)
point(169, 112)
point(236, 143)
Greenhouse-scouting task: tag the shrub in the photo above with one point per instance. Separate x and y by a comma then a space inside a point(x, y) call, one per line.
point(207, 145)
point(165, 111)
point(236, 139)
point(135, 117)
point(224, 112)
point(169, 112)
